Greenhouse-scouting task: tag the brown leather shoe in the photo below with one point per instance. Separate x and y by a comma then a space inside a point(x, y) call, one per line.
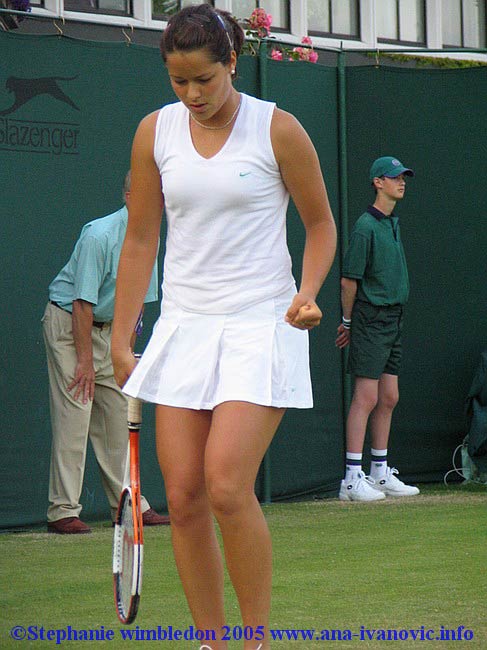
point(68, 526)
point(151, 518)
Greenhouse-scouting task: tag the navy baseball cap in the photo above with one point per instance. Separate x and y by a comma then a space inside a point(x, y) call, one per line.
point(388, 166)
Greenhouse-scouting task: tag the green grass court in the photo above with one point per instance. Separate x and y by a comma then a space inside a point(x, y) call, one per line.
point(389, 565)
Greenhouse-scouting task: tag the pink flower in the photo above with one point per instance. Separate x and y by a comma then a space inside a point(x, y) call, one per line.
point(276, 55)
point(260, 21)
point(306, 40)
point(304, 54)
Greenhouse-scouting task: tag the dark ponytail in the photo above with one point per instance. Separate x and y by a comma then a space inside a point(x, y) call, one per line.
point(201, 26)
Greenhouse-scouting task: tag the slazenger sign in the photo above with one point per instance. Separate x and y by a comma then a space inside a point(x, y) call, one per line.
point(37, 136)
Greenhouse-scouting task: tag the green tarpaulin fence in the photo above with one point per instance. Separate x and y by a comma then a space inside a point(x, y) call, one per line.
point(68, 112)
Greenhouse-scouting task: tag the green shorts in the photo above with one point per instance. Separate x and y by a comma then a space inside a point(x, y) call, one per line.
point(375, 340)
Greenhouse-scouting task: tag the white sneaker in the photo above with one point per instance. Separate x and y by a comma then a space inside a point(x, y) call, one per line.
point(360, 489)
point(393, 487)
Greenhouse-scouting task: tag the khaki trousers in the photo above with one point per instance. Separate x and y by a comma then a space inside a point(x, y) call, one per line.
point(103, 420)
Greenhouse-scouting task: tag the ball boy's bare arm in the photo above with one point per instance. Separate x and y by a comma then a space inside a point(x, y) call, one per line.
point(348, 294)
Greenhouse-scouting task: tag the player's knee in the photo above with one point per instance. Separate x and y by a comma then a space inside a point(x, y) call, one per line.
point(185, 504)
point(226, 497)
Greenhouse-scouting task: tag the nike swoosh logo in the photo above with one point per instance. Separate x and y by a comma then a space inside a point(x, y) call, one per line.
point(245, 173)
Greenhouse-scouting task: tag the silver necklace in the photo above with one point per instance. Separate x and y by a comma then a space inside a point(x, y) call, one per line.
point(218, 128)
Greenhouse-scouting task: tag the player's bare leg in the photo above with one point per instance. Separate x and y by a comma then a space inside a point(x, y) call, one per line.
point(240, 435)
point(181, 439)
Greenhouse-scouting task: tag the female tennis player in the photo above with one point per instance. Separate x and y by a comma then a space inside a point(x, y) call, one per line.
point(229, 352)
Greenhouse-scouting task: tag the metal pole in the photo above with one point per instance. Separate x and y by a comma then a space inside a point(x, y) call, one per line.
point(263, 86)
point(343, 193)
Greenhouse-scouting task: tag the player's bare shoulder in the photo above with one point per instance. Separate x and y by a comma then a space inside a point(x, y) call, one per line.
point(284, 126)
point(148, 123)
point(288, 136)
point(150, 120)
point(145, 134)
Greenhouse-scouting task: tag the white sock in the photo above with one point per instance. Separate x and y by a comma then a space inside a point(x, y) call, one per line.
point(378, 463)
point(353, 466)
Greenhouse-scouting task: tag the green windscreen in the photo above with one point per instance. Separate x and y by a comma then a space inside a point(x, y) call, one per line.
point(68, 113)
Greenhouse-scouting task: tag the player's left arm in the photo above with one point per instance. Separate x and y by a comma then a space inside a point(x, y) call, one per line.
point(301, 173)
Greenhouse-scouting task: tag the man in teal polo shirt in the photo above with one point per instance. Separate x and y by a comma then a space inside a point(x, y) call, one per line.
point(85, 400)
point(374, 289)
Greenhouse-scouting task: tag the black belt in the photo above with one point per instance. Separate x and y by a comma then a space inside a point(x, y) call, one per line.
point(96, 323)
point(366, 302)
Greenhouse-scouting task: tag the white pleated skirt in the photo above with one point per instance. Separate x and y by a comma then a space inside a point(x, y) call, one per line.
point(198, 361)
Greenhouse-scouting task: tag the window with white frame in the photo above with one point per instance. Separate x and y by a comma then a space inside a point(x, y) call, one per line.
point(401, 21)
point(278, 9)
point(450, 23)
point(334, 18)
point(110, 7)
point(161, 9)
point(463, 23)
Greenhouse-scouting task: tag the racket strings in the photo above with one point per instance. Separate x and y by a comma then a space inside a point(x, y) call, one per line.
point(126, 575)
point(127, 559)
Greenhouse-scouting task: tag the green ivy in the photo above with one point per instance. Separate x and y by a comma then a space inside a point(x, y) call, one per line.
point(423, 61)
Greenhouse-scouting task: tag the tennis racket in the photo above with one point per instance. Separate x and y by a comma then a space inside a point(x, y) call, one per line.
point(128, 540)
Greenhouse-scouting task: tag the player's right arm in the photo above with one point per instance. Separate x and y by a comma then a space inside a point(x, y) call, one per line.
point(348, 295)
point(140, 246)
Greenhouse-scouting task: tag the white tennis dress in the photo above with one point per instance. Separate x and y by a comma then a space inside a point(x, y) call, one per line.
point(227, 279)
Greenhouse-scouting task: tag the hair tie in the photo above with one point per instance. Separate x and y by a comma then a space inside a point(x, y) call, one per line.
point(223, 24)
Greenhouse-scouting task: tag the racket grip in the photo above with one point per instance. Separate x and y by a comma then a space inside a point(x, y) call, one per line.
point(134, 413)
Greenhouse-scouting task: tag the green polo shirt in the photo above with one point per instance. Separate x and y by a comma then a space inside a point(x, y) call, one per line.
point(375, 258)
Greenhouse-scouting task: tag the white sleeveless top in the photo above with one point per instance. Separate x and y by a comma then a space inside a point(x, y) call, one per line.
point(226, 243)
